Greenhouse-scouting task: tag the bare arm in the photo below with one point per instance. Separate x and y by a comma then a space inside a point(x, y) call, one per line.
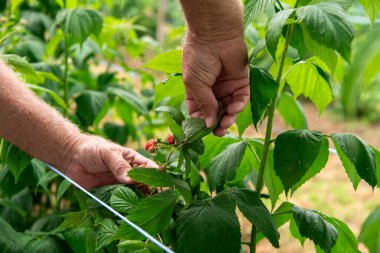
point(40, 131)
point(215, 62)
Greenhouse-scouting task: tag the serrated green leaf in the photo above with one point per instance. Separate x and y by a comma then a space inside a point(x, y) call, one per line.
point(185, 190)
point(359, 154)
point(274, 30)
point(131, 99)
point(19, 65)
point(79, 24)
point(169, 62)
point(75, 220)
point(174, 113)
point(105, 233)
point(318, 164)
point(250, 204)
point(291, 111)
point(311, 225)
point(62, 189)
point(152, 214)
point(171, 87)
point(328, 24)
point(263, 90)
point(123, 199)
point(195, 129)
point(294, 155)
point(89, 105)
point(304, 78)
point(213, 146)
point(372, 7)
point(54, 95)
point(151, 177)
point(370, 232)
point(253, 8)
point(210, 225)
point(223, 167)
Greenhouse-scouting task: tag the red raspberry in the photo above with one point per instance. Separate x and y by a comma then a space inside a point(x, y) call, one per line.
point(171, 139)
point(150, 146)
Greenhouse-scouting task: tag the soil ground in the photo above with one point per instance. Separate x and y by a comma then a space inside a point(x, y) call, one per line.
point(330, 191)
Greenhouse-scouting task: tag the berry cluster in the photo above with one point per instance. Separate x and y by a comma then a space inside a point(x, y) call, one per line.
point(153, 145)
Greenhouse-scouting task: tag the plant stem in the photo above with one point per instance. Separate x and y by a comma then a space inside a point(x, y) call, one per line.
point(268, 133)
point(66, 69)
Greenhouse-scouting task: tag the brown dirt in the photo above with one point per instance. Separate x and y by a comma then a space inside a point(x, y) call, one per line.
point(330, 191)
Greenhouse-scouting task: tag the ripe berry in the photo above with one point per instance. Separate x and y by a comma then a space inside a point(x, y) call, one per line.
point(150, 146)
point(171, 139)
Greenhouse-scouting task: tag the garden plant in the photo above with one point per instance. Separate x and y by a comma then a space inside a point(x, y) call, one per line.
point(190, 202)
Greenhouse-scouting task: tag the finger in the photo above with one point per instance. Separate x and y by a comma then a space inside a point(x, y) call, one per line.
point(228, 120)
point(116, 163)
point(137, 160)
point(239, 100)
point(206, 101)
point(220, 131)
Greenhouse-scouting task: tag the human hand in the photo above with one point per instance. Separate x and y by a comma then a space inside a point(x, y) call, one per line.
point(216, 71)
point(94, 161)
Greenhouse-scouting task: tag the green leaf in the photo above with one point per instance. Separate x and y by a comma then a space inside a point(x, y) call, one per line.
point(62, 189)
point(214, 145)
point(14, 158)
point(89, 105)
point(79, 24)
point(152, 214)
point(370, 232)
point(123, 199)
point(174, 113)
point(75, 220)
point(223, 167)
point(152, 177)
point(274, 31)
point(250, 204)
point(15, 4)
point(252, 8)
point(19, 65)
point(51, 93)
point(295, 153)
point(244, 119)
point(8, 238)
point(115, 132)
point(318, 164)
point(372, 7)
point(195, 129)
point(304, 78)
point(210, 225)
point(328, 24)
point(263, 90)
point(360, 155)
point(138, 247)
point(185, 190)
point(171, 87)
point(105, 233)
point(169, 62)
point(131, 99)
point(291, 111)
point(311, 225)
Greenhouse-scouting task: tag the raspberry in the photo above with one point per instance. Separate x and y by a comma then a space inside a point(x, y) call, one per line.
point(150, 146)
point(171, 139)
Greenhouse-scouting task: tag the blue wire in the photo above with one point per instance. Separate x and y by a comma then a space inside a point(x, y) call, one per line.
point(130, 223)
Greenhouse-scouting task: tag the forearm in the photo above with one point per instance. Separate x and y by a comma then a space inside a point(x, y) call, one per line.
point(214, 19)
point(31, 124)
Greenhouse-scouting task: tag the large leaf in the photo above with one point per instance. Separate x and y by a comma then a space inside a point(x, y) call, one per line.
point(370, 233)
point(19, 65)
point(294, 154)
point(274, 31)
point(174, 113)
point(105, 233)
point(152, 214)
point(253, 8)
point(151, 177)
point(123, 199)
point(210, 225)
point(359, 154)
point(311, 225)
point(291, 111)
point(223, 167)
point(250, 204)
point(195, 129)
point(372, 7)
point(304, 78)
point(171, 87)
point(89, 105)
point(244, 119)
point(79, 24)
point(169, 62)
point(263, 90)
point(328, 24)
point(14, 158)
point(131, 99)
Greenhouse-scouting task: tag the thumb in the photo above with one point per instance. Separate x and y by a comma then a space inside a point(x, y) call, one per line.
point(118, 166)
point(206, 102)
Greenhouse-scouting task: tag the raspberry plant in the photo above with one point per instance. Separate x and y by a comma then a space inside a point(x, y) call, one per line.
point(190, 202)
